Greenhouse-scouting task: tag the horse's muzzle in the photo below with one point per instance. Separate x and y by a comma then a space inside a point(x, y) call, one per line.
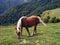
point(18, 34)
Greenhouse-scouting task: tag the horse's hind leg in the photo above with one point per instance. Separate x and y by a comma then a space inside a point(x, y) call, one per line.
point(28, 31)
point(34, 32)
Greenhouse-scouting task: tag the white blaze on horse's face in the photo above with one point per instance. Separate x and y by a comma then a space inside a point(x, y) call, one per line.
point(18, 32)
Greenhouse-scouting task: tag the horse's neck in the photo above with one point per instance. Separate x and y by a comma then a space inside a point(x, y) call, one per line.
point(19, 23)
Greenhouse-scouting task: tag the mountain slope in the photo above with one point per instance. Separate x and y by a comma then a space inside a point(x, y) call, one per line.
point(34, 7)
point(5, 4)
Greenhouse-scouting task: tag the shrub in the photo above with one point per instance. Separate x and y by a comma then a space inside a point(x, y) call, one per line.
point(58, 20)
point(46, 20)
point(55, 20)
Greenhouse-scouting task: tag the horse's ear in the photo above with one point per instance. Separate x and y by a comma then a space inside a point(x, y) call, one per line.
point(15, 28)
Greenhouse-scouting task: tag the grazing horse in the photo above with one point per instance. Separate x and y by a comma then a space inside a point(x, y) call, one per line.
point(28, 22)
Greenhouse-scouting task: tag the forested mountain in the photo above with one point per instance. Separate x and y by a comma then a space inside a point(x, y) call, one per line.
point(33, 7)
point(5, 4)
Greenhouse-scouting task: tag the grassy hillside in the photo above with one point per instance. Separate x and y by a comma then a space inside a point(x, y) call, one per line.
point(48, 35)
point(34, 7)
point(51, 15)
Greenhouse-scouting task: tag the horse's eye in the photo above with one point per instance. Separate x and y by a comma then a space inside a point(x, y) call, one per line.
point(19, 28)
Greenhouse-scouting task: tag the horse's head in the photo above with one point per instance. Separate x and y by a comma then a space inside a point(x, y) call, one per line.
point(19, 24)
point(18, 32)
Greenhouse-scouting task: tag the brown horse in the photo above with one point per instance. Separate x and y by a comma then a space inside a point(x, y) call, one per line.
point(28, 22)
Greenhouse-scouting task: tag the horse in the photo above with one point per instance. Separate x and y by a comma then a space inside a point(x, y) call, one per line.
point(27, 22)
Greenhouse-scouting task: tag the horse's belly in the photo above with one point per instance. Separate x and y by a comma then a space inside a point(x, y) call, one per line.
point(27, 25)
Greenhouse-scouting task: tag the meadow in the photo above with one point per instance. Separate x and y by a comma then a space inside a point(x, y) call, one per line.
point(46, 35)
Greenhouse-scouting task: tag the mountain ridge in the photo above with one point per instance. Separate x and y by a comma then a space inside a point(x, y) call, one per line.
point(6, 4)
point(31, 8)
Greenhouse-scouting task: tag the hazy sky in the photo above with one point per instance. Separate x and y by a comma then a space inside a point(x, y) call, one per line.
point(25, 0)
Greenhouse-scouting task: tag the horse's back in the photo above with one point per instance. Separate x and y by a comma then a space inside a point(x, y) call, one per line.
point(30, 21)
point(32, 18)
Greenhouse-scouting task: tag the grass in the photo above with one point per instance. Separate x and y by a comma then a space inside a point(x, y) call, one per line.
point(46, 35)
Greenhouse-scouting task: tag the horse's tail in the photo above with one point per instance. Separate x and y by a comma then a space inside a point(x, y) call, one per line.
point(41, 21)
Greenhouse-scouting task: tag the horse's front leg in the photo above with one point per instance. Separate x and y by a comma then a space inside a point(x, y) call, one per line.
point(21, 30)
point(28, 31)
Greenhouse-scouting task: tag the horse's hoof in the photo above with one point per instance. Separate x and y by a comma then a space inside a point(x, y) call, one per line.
point(29, 36)
point(18, 37)
point(33, 34)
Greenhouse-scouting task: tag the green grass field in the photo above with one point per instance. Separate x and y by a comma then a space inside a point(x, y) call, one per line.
point(46, 35)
